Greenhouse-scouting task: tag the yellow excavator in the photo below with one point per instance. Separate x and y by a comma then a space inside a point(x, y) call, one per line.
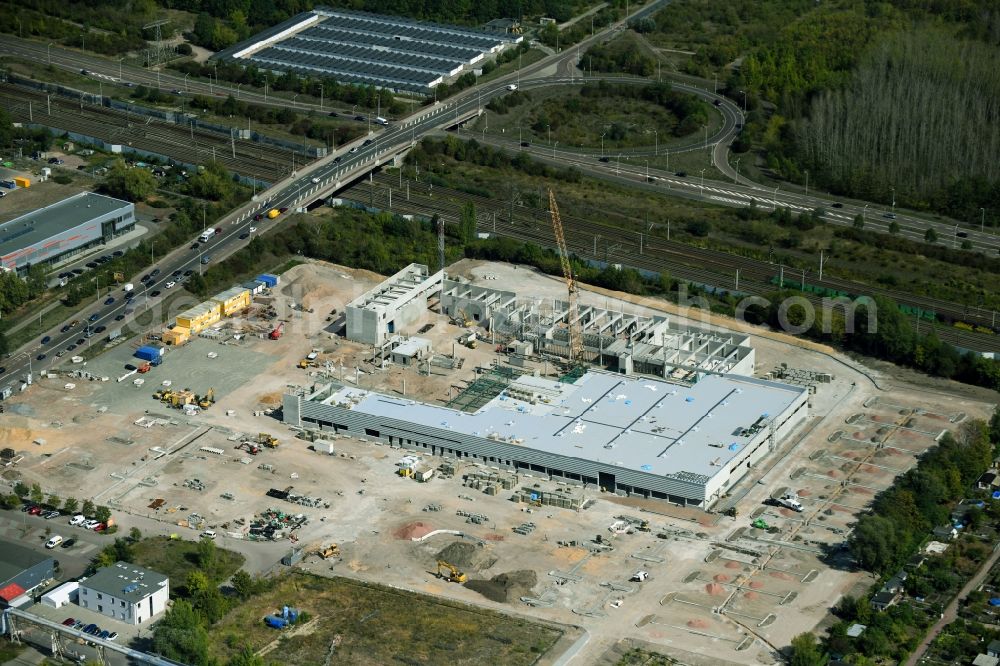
point(333, 550)
point(208, 399)
point(454, 575)
point(270, 441)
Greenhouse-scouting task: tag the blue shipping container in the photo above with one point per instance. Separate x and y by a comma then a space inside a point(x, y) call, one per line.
point(268, 279)
point(275, 622)
point(148, 353)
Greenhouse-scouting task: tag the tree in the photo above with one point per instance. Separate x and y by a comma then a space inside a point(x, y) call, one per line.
point(243, 584)
point(859, 221)
point(207, 557)
point(36, 493)
point(54, 501)
point(70, 505)
point(930, 235)
point(181, 636)
point(102, 513)
point(21, 490)
point(246, 657)
point(88, 508)
point(806, 652)
point(133, 184)
point(4, 345)
point(699, 228)
point(135, 534)
point(894, 227)
point(11, 501)
point(467, 223)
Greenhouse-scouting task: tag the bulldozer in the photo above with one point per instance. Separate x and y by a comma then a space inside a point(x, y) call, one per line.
point(454, 575)
point(208, 399)
point(333, 550)
point(760, 524)
point(249, 447)
point(643, 526)
point(270, 441)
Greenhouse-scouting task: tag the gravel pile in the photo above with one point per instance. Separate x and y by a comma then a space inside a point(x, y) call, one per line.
point(506, 587)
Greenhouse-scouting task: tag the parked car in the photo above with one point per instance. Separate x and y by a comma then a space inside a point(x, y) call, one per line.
point(112, 636)
point(244, 236)
point(53, 541)
point(46, 340)
point(69, 622)
point(68, 542)
point(35, 510)
point(170, 284)
point(104, 634)
point(90, 524)
point(49, 515)
point(64, 328)
point(78, 519)
point(99, 527)
point(100, 329)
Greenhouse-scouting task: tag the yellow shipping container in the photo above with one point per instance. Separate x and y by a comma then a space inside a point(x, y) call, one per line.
point(233, 300)
point(176, 336)
point(200, 317)
point(21, 181)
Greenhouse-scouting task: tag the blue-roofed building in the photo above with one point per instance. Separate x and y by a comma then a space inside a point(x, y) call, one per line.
point(679, 441)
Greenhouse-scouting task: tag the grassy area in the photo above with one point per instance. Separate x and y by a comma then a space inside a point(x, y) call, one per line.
point(577, 121)
point(527, 58)
point(637, 657)
point(9, 651)
point(176, 558)
point(379, 625)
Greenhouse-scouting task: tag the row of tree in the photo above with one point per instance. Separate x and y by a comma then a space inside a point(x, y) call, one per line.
point(23, 493)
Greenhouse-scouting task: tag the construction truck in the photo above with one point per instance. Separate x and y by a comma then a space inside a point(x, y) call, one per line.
point(268, 440)
point(454, 575)
point(789, 502)
point(405, 472)
point(208, 399)
point(462, 319)
point(275, 333)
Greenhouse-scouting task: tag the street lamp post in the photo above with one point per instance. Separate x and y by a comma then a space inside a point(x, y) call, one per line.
point(703, 182)
point(121, 76)
point(294, 97)
point(238, 90)
point(982, 220)
point(807, 182)
point(549, 129)
point(48, 53)
point(864, 213)
point(602, 144)
point(893, 200)
point(736, 180)
point(656, 138)
point(554, 149)
point(186, 89)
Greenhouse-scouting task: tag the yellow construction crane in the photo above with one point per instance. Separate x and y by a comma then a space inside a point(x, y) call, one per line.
point(208, 399)
point(454, 575)
point(573, 323)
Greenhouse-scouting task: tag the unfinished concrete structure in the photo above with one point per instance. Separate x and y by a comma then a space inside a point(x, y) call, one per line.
point(627, 343)
point(396, 303)
point(687, 443)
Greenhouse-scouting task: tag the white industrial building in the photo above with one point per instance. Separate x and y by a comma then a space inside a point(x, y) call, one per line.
point(687, 443)
point(126, 592)
point(398, 302)
point(62, 595)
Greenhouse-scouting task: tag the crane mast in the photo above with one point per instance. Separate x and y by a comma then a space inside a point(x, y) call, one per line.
point(573, 319)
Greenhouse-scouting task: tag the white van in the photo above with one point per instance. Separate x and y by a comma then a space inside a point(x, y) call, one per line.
point(206, 235)
point(53, 542)
point(128, 287)
point(381, 121)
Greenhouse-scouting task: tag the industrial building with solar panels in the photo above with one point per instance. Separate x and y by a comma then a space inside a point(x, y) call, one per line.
point(388, 52)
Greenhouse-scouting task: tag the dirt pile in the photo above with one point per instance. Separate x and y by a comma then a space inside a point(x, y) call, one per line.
point(413, 530)
point(465, 555)
point(506, 587)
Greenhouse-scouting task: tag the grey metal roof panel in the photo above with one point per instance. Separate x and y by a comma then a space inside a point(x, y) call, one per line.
point(334, 35)
point(123, 580)
point(15, 558)
point(44, 223)
point(636, 423)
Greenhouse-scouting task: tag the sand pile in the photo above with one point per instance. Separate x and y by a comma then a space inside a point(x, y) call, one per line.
point(715, 588)
point(721, 578)
point(506, 587)
point(781, 575)
point(802, 492)
point(465, 555)
point(269, 399)
point(698, 624)
point(413, 530)
point(756, 585)
point(733, 565)
point(750, 596)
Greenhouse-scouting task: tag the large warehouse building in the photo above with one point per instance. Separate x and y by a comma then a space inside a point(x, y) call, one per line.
point(22, 570)
point(389, 52)
point(686, 443)
point(62, 229)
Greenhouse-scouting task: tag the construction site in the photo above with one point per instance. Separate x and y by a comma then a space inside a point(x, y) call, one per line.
point(559, 452)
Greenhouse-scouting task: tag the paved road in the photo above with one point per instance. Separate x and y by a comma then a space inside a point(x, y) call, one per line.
point(951, 612)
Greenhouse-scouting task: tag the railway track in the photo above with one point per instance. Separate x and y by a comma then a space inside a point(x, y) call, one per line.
point(189, 144)
point(612, 244)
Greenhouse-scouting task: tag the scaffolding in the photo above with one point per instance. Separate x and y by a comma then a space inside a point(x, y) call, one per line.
point(490, 383)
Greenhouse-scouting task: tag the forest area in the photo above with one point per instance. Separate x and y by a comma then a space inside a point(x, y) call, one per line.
point(873, 99)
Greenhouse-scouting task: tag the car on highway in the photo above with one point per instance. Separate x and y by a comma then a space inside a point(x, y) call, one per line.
point(75, 322)
point(117, 253)
point(258, 217)
point(46, 340)
point(60, 353)
point(360, 118)
point(283, 210)
point(194, 246)
point(91, 264)
point(145, 278)
point(717, 102)
point(77, 271)
point(837, 204)
point(207, 258)
point(315, 180)
point(68, 543)
point(71, 347)
point(100, 329)
point(960, 234)
point(889, 216)
point(156, 293)
point(80, 341)
point(253, 230)
point(604, 159)
point(368, 142)
point(336, 160)
point(177, 272)
point(526, 144)
point(94, 317)
point(109, 300)
point(681, 174)
point(353, 150)
point(332, 114)
point(156, 271)
point(170, 285)
point(511, 86)
point(40, 357)
point(188, 272)
point(64, 328)
point(129, 311)
point(244, 236)
point(3, 370)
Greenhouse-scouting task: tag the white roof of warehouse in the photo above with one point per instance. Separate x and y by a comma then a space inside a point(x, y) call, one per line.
point(637, 423)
